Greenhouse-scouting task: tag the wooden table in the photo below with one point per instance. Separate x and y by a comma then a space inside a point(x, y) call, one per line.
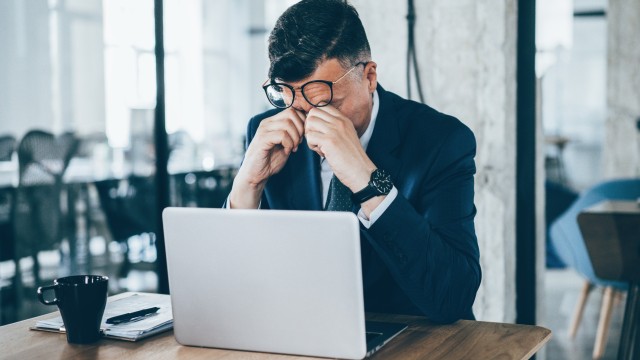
point(462, 340)
point(611, 232)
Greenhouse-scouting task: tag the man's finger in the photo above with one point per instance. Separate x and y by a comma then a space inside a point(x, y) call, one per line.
point(298, 119)
point(313, 140)
point(289, 126)
point(302, 116)
point(279, 137)
point(331, 110)
point(322, 114)
point(314, 123)
point(318, 151)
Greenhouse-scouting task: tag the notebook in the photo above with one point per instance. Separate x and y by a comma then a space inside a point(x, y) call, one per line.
point(271, 281)
point(131, 331)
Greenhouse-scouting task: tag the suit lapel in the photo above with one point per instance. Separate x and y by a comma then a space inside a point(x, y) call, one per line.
point(385, 139)
point(386, 136)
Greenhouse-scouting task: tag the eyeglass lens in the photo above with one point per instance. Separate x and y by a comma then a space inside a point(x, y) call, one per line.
point(280, 96)
point(316, 93)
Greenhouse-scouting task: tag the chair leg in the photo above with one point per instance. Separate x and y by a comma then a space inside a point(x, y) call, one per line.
point(629, 344)
point(36, 269)
point(603, 323)
point(577, 315)
point(18, 289)
point(618, 297)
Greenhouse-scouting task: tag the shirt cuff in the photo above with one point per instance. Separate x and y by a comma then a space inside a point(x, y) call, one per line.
point(227, 204)
point(379, 210)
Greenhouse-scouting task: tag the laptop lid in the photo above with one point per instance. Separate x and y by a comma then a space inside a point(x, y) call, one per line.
point(271, 281)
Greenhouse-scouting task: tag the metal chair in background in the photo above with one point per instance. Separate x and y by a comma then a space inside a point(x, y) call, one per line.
point(39, 222)
point(7, 193)
point(129, 206)
point(207, 189)
point(8, 300)
point(7, 242)
point(7, 147)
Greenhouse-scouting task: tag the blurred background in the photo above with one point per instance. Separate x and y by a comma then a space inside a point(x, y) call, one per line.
point(88, 154)
point(78, 92)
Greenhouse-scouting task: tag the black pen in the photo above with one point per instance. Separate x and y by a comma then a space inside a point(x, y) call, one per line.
point(132, 316)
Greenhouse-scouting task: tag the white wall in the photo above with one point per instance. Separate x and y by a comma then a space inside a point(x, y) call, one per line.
point(622, 138)
point(467, 56)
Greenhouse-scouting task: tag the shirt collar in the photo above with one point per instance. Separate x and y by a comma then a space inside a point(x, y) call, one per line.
point(364, 139)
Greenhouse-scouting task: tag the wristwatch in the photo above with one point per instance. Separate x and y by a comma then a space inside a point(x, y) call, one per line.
point(379, 184)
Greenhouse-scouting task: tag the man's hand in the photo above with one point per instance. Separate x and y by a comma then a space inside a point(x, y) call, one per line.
point(332, 135)
point(275, 139)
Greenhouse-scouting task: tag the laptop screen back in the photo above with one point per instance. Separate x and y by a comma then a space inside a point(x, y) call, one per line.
point(272, 281)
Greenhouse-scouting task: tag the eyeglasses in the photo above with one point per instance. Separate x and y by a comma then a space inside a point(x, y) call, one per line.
point(318, 93)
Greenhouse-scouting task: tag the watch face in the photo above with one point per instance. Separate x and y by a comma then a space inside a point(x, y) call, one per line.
point(381, 181)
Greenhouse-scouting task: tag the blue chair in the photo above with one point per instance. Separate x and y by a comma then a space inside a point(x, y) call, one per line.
point(571, 249)
point(558, 198)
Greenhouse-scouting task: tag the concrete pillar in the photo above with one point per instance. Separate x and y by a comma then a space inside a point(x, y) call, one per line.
point(621, 155)
point(467, 56)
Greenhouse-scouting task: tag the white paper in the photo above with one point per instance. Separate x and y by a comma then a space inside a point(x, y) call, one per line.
point(130, 330)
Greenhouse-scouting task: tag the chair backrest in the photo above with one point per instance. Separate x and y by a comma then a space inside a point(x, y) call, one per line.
point(202, 188)
point(38, 216)
point(611, 231)
point(7, 147)
point(565, 232)
point(7, 240)
point(43, 158)
point(129, 205)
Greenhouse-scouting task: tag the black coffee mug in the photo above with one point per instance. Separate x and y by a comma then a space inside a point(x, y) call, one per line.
point(81, 300)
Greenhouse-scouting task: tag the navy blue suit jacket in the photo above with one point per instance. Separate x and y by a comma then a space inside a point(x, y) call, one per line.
point(421, 256)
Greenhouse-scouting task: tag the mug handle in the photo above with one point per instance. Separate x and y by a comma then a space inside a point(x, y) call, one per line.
point(41, 291)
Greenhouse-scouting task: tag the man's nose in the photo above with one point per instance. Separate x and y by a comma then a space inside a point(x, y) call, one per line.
point(301, 104)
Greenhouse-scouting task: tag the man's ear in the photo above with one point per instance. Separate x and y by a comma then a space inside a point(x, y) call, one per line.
point(371, 75)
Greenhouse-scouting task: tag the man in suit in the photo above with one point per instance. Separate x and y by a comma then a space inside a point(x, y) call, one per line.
point(338, 141)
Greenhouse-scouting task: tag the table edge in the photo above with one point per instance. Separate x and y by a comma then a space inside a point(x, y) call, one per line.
point(542, 342)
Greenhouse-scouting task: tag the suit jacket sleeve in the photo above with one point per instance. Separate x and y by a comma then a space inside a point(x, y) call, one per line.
point(429, 244)
point(252, 127)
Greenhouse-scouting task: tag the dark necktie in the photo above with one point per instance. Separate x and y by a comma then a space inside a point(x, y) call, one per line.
point(339, 196)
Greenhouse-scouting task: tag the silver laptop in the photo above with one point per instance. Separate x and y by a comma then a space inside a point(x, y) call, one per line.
point(271, 281)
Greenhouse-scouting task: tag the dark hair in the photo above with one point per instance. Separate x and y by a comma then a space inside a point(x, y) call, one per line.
point(312, 31)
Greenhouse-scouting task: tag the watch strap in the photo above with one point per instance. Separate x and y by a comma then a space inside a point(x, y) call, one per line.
point(365, 194)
